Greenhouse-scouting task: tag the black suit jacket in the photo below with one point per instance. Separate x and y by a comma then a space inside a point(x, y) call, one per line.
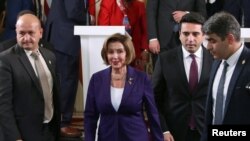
point(173, 98)
point(159, 17)
point(21, 98)
point(238, 96)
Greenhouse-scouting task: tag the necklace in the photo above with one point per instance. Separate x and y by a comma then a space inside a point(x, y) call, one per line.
point(117, 76)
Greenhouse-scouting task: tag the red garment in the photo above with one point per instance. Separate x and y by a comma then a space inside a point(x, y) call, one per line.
point(91, 7)
point(110, 14)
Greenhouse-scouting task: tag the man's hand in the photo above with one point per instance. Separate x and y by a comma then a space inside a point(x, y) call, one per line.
point(168, 137)
point(154, 46)
point(177, 15)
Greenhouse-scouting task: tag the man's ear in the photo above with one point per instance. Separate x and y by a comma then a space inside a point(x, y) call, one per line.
point(41, 32)
point(231, 39)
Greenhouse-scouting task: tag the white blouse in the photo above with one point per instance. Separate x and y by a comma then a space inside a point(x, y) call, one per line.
point(116, 97)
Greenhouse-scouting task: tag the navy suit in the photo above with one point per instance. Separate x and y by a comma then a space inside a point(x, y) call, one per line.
point(63, 16)
point(238, 96)
point(126, 124)
point(12, 10)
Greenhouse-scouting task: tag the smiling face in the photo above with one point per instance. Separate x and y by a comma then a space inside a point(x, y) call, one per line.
point(28, 32)
point(191, 36)
point(116, 55)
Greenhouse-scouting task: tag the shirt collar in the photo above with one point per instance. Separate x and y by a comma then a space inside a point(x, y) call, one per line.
point(233, 59)
point(197, 54)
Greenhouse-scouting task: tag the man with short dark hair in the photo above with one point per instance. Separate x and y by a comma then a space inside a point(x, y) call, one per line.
point(180, 81)
point(228, 91)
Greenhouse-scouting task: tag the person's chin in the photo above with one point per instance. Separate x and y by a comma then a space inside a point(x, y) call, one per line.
point(27, 47)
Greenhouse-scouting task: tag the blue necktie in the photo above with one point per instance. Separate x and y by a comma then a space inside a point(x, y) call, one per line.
point(218, 116)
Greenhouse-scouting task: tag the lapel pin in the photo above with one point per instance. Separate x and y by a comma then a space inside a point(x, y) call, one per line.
point(243, 62)
point(49, 62)
point(130, 80)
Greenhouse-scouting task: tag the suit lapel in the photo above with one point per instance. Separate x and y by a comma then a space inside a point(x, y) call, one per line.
point(214, 69)
point(48, 61)
point(129, 84)
point(27, 65)
point(205, 70)
point(106, 86)
point(239, 66)
point(181, 68)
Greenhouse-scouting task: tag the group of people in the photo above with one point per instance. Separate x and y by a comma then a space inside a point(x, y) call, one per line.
point(187, 83)
point(191, 86)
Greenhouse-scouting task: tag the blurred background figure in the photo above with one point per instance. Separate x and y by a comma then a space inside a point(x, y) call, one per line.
point(163, 17)
point(238, 8)
point(2, 15)
point(131, 14)
point(117, 95)
point(13, 7)
point(62, 18)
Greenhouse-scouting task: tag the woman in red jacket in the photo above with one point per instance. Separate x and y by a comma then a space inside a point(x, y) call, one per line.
point(116, 12)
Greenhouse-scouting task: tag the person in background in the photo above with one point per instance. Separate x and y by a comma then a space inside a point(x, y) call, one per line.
point(238, 8)
point(28, 111)
point(163, 17)
point(62, 18)
point(13, 7)
point(92, 11)
point(2, 14)
point(131, 14)
point(117, 96)
point(180, 81)
point(2, 5)
point(228, 91)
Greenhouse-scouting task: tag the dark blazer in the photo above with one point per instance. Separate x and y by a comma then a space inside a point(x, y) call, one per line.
point(215, 7)
point(21, 98)
point(159, 17)
point(238, 96)
point(127, 124)
point(59, 29)
point(174, 100)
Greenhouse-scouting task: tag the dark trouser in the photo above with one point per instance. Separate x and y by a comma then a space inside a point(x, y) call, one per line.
point(68, 70)
point(193, 135)
point(48, 134)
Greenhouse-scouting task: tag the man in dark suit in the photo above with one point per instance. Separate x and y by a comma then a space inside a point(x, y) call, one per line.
point(62, 18)
point(180, 97)
point(163, 17)
point(223, 35)
point(23, 101)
